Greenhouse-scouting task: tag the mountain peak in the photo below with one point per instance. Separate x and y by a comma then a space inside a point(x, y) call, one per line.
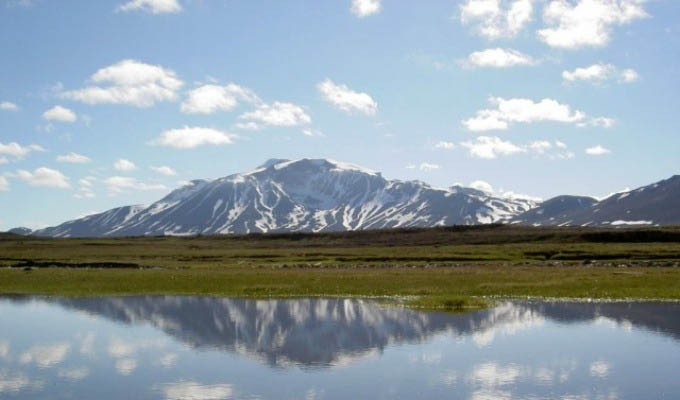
point(324, 164)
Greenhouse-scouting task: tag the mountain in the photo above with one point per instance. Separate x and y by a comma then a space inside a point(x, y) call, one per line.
point(92, 225)
point(20, 231)
point(655, 204)
point(555, 209)
point(303, 195)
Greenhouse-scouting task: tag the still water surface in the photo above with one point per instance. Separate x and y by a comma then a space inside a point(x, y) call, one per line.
point(216, 348)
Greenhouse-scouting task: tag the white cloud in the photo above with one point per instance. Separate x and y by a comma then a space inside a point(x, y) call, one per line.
point(197, 391)
point(18, 151)
point(629, 75)
point(152, 6)
point(312, 132)
point(164, 170)
point(491, 147)
point(132, 83)
point(124, 165)
point(45, 356)
point(497, 18)
point(3, 160)
point(364, 8)
point(600, 73)
point(208, 99)
point(427, 167)
point(247, 126)
point(346, 99)
point(540, 146)
point(279, 114)
point(119, 184)
point(44, 176)
point(445, 145)
point(8, 106)
point(73, 158)
point(599, 122)
point(4, 184)
point(597, 151)
point(85, 191)
point(523, 111)
point(482, 185)
point(191, 137)
point(572, 25)
point(59, 113)
point(498, 58)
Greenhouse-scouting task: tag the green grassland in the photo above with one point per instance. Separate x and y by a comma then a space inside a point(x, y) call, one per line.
point(451, 268)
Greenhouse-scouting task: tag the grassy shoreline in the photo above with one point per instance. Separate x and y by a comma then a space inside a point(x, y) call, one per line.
point(447, 268)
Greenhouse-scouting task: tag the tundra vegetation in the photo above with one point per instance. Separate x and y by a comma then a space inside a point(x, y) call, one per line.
point(452, 268)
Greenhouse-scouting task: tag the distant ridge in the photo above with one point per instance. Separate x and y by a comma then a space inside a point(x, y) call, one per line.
point(321, 195)
point(310, 195)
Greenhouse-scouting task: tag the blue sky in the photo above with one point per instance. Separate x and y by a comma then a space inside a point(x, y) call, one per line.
point(113, 102)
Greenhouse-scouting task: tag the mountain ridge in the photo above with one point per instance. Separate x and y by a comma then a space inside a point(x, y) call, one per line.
point(323, 195)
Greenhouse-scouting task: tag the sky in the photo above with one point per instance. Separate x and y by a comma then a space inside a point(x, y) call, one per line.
point(115, 102)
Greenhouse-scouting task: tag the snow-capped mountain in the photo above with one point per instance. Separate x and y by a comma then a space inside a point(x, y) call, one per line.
point(302, 195)
point(655, 204)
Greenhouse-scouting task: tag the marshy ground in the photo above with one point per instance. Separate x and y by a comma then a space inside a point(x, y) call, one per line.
point(451, 268)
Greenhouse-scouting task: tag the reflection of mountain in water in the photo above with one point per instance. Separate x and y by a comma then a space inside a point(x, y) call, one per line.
point(308, 332)
point(322, 332)
point(663, 318)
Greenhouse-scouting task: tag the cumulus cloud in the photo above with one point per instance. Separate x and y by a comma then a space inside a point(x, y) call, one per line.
point(522, 111)
point(481, 185)
point(85, 192)
point(208, 99)
point(493, 147)
point(427, 167)
point(312, 132)
point(60, 114)
point(364, 8)
point(18, 151)
point(490, 147)
point(445, 145)
point(44, 176)
point(8, 106)
point(152, 6)
point(498, 58)
point(164, 170)
point(600, 122)
point(347, 99)
point(124, 165)
point(73, 158)
point(600, 73)
point(629, 75)
point(278, 114)
point(495, 19)
point(597, 151)
point(130, 82)
point(4, 184)
point(191, 137)
point(197, 391)
point(575, 24)
point(120, 184)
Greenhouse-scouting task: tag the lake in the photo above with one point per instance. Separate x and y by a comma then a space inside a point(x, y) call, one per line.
point(220, 348)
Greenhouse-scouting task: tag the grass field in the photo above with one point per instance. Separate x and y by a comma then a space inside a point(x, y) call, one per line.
point(449, 268)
